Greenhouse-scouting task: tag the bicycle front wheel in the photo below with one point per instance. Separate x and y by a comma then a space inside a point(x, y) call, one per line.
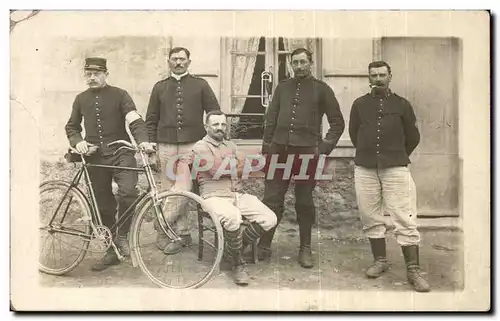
point(188, 264)
point(64, 227)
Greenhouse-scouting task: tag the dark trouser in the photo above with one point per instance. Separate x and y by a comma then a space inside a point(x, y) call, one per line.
point(126, 180)
point(276, 188)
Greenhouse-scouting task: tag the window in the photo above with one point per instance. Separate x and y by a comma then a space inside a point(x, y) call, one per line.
point(252, 69)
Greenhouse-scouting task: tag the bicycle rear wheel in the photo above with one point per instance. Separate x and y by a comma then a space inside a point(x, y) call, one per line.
point(62, 246)
point(196, 261)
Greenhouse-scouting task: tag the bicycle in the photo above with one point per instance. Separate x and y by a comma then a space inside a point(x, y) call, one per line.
point(149, 205)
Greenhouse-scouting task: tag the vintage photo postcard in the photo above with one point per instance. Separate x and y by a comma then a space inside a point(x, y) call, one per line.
point(250, 160)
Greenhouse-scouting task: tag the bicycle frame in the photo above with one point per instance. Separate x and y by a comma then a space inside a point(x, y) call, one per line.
point(129, 212)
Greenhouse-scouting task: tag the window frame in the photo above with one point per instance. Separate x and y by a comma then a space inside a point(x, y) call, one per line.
point(271, 54)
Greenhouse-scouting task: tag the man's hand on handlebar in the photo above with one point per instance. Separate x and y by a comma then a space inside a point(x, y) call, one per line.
point(147, 147)
point(85, 148)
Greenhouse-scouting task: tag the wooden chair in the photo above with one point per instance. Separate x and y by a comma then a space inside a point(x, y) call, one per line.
point(205, 226)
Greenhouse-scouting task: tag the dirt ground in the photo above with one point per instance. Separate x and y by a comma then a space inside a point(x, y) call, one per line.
point(341, 256)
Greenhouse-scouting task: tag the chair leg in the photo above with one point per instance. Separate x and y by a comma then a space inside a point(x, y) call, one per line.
point(201, 229)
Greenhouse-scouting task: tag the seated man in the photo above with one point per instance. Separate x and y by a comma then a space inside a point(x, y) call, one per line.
point(214, 158)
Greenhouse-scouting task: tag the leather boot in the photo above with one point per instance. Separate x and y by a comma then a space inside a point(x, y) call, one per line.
point(264, 245)
point(234, 241)
point(123, 245)
point(415, 278)
point(379, 264)
point(305, 257)
point(108, 260)
point(305, 253)
point(175, 247)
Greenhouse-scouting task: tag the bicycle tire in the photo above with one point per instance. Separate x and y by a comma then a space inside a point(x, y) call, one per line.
point(82, 200)
point(135, 230)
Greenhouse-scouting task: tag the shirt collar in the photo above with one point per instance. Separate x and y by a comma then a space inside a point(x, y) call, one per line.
point(178, 77)
point(387, 93)
point(99, 89)
point(213, 141)
point(309, 77)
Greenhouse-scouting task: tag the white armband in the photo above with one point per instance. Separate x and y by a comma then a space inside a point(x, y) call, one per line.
point(132, 116)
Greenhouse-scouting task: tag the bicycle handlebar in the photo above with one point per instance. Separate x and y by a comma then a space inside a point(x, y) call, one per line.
point(127, 145)
point(124, 142)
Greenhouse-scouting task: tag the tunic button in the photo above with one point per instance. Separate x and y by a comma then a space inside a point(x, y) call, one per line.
point(378, 152)
point(96, 103)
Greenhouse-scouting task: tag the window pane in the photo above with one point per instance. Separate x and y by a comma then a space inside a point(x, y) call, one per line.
point(246, 74)
point(249, 123)
point(283, 67)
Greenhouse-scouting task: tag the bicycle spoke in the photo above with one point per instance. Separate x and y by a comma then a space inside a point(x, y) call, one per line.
point(61, 245)
point(182, 269)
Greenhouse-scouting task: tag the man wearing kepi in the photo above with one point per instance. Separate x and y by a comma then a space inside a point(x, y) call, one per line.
point(175, 122)
point(217, 168)
point(383, 129)
point(105, 110)
point(293, 137)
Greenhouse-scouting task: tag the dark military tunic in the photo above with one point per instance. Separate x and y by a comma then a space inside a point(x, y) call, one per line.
point(175, 110)
point(295, 114)
point(103, 111)
point(383, 130)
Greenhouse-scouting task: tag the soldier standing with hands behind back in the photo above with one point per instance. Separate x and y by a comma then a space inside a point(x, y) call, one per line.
point(383, 129)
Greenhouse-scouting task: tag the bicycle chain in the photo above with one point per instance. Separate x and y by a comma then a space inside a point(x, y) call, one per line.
point(106, 236)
